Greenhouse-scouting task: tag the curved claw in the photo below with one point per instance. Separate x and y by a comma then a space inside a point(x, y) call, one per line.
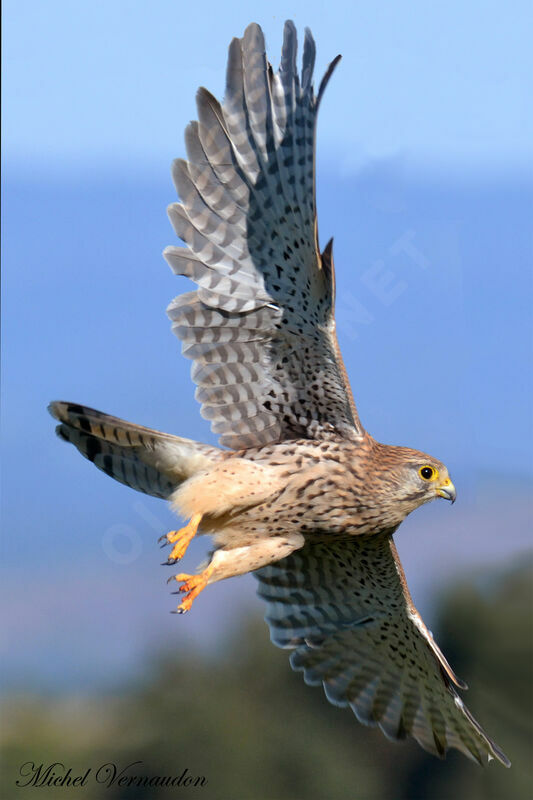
point(191, 586)
point(181, 539)
point(171, 560)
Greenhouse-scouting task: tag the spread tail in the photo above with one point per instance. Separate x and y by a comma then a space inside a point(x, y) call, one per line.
point(144, 459)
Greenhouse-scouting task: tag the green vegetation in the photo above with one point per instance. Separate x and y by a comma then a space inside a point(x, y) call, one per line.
point(254, 731)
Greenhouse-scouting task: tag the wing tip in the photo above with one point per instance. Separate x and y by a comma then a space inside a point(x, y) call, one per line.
point(327, 75)
point(500, 756)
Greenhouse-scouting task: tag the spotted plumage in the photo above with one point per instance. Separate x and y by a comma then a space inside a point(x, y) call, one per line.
point(304, 496)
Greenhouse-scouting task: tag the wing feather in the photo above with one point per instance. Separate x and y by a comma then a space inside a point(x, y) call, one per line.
point(262, 315)
point(344, 608)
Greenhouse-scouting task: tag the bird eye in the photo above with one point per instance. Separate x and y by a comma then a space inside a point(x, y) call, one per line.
point(427, 473)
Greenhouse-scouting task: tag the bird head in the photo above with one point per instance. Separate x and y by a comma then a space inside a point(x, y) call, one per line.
point(427, 478)
point(413, 478)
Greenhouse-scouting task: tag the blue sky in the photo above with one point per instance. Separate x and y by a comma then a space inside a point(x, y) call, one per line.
point(449, 82)
point(425, 153)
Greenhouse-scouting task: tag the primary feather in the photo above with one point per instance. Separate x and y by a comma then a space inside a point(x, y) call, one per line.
point(260, 327)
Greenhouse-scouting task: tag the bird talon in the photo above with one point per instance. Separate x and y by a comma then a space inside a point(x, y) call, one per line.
point(181, 539)
point(191, 586)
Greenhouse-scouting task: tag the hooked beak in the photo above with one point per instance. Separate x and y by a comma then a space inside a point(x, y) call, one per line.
point(447, 490)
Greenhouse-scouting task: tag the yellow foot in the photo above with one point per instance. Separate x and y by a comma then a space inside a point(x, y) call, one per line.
point(181, 539)
point(192, 585)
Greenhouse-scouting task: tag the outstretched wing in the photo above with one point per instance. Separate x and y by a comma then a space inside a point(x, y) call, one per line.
point(345, 608)
point(260, 327)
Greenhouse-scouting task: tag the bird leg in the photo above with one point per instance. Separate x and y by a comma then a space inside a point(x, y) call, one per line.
point(192, 586)
point(236, 561)
point(182, 538)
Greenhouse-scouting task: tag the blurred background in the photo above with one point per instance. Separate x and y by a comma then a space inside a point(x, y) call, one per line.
point(425, 145)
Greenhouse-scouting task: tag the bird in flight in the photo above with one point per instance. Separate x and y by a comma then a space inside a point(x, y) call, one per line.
point(299, 492)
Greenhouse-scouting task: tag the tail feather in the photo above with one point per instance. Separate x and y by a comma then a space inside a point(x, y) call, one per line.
point(144, 459)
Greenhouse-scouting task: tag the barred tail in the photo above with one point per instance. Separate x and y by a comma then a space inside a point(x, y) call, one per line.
point(144, 459)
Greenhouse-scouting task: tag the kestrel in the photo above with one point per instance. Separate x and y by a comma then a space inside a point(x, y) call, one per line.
point(304, 497)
